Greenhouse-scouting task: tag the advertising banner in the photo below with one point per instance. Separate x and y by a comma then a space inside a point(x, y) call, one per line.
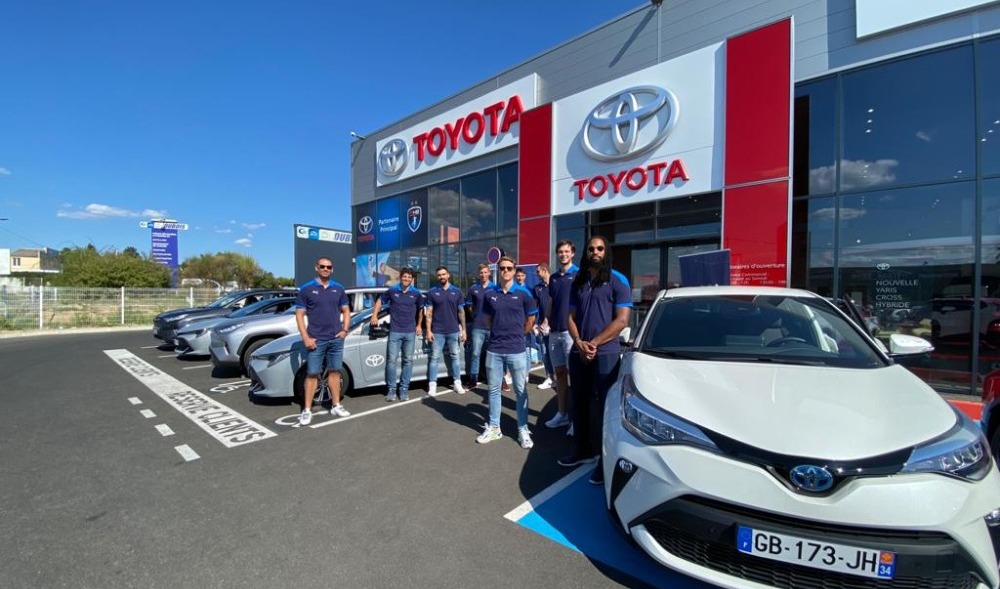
point(164, 250)
point(365, 235)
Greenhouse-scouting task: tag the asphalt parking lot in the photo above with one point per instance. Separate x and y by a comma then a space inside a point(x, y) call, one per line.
point(124, 466)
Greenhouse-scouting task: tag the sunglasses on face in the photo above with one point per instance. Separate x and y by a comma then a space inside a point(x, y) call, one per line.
point(324, 267)
point(506, 268)
point(595, 248)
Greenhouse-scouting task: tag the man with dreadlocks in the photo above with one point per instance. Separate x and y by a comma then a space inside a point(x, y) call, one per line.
point(600, 305)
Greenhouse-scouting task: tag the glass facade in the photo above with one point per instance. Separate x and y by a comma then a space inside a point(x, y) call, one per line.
point(897, 202)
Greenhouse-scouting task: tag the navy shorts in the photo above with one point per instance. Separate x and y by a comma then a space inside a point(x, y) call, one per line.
point(330, 350)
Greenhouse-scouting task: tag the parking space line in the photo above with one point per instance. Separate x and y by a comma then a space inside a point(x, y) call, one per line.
point(135, 400)
point(369, 412)
point(187, 453)
point(167, 356)
point(197, 367)
point(148, 347)
point(549, 492)
point(227, 426)
point(164, 430)
point(147, 413)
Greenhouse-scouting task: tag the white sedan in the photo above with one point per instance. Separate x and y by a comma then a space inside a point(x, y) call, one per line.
point(758, 438)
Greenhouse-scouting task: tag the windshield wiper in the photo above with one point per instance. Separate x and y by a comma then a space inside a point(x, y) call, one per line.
point(772, 360)
point(672, 354)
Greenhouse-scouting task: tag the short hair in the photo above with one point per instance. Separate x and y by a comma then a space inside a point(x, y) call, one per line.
point(440, 268)
point(483, 265)
point(507, 259)
point(568, 242)
point(407, 270)
point(544, 266)
point(321, 258)
point(520, 269)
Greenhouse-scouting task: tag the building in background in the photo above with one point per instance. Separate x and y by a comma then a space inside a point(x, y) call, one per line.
point(849, 147)
point(37, 260)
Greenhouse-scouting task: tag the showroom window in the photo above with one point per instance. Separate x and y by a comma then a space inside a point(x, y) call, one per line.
point(507, 201)
point(813, 244)
point(909, 121)
point(988, 58)
point(479, 205)
point(814, 145)
point(443, 202)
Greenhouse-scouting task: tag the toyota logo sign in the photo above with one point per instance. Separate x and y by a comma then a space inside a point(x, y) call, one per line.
point(375, 360)
point(392, 157)
point(630, 123)
point(365, 225)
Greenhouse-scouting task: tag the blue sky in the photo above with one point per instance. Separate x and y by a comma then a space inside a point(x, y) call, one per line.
point(230, 116)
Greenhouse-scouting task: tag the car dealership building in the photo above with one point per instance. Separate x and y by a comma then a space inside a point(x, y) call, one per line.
point(850, 147)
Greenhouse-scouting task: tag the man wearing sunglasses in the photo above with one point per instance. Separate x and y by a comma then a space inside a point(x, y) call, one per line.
point(599, 309)
point(406, 314)
point(325, 303)
point(510, 311)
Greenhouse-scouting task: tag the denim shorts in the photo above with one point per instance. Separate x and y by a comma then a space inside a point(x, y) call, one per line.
point(560, 344)
point(331, 350)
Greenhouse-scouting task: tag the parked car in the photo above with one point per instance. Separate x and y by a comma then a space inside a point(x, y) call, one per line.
point(165, 324)
point(278, 369)
point(949, 321)
point(233, 341)
point(194, 339)
point(756, 437)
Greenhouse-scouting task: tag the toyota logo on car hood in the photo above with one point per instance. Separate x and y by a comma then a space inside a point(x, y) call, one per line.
point(629, 123)
point(811, 478)
point(392, 157)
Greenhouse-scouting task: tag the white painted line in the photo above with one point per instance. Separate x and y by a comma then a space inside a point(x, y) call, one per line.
point(168, 356)
point(147, 413)
point(135, 400)
point(197, 367)
point(549, 492)
point(230, 428)
point(187, 453)
point(148, 347)
point(164, 430)
point(369, 412)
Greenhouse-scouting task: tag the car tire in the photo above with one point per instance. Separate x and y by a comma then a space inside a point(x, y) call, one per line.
point(248, 353)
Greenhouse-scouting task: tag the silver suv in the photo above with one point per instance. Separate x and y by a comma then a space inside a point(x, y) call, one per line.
point(234, 340)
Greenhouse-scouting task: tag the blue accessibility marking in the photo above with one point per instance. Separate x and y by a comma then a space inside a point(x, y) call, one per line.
point(576, 517)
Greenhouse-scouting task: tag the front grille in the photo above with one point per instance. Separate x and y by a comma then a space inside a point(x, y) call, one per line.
point(726, 559)
point(703, 532)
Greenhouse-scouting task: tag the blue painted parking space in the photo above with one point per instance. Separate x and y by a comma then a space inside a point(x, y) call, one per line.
point(572, 513)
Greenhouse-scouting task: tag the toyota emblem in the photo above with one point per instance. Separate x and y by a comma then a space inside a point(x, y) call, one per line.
point(883, 266)
point(811, 478)
point(365, 225)
point(375, 360)
point(392, 157)
point(629, 123)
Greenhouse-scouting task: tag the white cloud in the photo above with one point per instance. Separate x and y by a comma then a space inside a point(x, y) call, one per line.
point(99, 211)
point(924, 136)
point(223, 230)
point(245, 242)
point(4, 171)
point(854, 174)
point(232, 221)
point(254, 226)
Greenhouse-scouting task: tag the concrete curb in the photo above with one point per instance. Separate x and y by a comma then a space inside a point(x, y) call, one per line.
point(73, 331)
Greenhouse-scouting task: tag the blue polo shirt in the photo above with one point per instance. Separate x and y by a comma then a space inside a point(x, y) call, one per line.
point(446, 304)
point(593, 308)
point(509, 312)
point(323, 307)
point(403, 307)
point(474, 299)
point(544, 301)
point(559, 287)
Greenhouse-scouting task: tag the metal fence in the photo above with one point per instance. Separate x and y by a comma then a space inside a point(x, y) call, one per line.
point(48, 307)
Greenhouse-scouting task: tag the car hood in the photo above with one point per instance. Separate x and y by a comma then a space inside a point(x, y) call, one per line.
point(821, 412)
point(279, 319)
point(202, 323)
point(177, 313)
point(282, 344)
point(199, 314)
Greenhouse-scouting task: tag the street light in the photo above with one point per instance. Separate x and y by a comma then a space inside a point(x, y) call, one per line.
point(357, 136)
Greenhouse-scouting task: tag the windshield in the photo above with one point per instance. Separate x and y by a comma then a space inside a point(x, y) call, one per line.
point(252, 309)
point(763, 328)
point(224, 300)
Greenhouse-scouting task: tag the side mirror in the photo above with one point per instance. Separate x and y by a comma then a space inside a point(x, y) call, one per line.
point(625, 337)
point(901, 344)
point(378, 332)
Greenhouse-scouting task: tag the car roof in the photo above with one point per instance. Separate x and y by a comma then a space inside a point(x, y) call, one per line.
point(700, 291)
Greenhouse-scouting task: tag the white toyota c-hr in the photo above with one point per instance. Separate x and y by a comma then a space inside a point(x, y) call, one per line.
point(756, 437)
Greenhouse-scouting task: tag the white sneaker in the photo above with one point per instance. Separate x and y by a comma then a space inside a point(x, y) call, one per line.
point(458, 388)
point(339, 411)
point(489, 434)
point(306, 417)
point(560, 420)
point(546, 384)
point(524, 438)
point(432, 388)
point(569, 432)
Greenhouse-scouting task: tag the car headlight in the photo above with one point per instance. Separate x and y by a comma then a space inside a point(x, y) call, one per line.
point(272, 358)
point(962, 452)
point(653, 425)
point(195, 333)
point(229, 328)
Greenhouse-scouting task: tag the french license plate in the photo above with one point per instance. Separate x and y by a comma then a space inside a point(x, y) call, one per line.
point(864, 562)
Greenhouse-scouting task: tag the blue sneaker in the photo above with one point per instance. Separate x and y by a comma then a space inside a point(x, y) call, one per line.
point(389, 398)
point(404, 396)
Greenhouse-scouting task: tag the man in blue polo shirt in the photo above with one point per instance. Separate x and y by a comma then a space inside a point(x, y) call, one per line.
point(406, 312)
point(600, 308)
point(325, 303)
point(445, 326)
point(511, 311)
point(480, 328)
point(560, 342)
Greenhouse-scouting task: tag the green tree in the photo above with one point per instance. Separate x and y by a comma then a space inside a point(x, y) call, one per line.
point(226, 267)
point(85, 266)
